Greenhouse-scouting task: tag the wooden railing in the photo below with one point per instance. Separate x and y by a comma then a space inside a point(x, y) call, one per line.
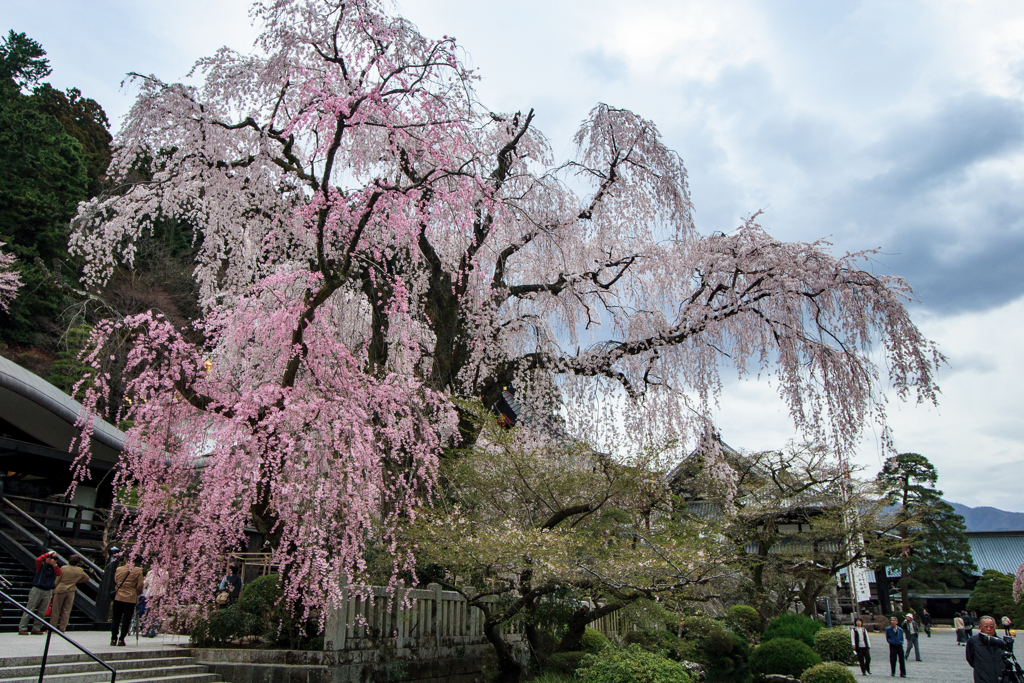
point(82, 526)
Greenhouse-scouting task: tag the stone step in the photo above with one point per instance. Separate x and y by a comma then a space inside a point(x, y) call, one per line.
point(90, 666)
point(109, 657)
point(168, 673)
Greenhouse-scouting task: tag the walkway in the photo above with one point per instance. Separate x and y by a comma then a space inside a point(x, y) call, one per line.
point(13, 645)
point(942, 660)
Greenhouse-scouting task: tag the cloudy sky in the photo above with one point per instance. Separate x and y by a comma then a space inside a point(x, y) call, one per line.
point(897, 125)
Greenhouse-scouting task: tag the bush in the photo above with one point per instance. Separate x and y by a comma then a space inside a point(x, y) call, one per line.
point(593, 641)
point(262, 597)
point(631, 665)
point(220, 626)
point(728, 657)
point(564, 663)
point(795, 626)
point(745, 619)
point(785, 656)
point(664, 643)
point(833, 645)
point(830, 672)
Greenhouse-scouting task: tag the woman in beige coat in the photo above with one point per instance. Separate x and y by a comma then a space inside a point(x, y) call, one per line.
point(65, 591)
point(128, 584)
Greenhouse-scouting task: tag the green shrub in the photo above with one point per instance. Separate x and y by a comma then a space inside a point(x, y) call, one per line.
point(220, 626)
point(728, 657)
point(830, 672)
point(662, 643)
point(745, 619)
point(785, 656)
point(833, 645)
point(593, 641)
point(699, 625)
point(262, 597)
point(791, 625)
point(631, 665)
point(564, 663)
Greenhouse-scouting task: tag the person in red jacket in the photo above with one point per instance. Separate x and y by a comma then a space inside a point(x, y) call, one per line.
point(43, 583)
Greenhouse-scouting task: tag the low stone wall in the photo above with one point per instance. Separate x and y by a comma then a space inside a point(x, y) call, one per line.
point(442, 665)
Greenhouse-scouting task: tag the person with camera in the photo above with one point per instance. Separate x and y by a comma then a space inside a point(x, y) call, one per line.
point(985, 652)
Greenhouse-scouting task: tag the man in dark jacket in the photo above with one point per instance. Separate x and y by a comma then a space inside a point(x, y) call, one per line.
point(894, 636)
point(911, 633)
point(43, 583)
point(984, 655)
point(926, 621)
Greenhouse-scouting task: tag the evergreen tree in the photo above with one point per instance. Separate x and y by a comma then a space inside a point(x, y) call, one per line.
point(934, 551)
point(993, 595)
point(54, 147)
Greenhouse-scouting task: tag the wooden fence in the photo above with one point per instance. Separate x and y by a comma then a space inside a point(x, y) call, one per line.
point(413, 621)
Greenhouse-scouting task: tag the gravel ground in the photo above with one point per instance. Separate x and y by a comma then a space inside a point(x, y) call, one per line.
point(942, 659)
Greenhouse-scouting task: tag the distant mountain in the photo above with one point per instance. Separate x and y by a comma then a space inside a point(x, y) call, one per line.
point(989, 519)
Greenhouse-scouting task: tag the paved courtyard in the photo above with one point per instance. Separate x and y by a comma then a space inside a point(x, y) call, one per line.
point(13, 645)
point(942, 659)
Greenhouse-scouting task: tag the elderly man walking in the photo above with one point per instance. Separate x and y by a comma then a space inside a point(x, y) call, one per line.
point(910, 629)
point(894, 636)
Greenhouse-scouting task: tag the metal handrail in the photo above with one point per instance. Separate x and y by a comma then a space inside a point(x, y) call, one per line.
point(60, 541)
point(50, 630)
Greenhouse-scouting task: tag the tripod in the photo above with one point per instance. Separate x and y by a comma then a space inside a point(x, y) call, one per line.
point(1012, 673)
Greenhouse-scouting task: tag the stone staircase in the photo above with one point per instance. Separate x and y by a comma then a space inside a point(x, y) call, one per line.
point(138, 666)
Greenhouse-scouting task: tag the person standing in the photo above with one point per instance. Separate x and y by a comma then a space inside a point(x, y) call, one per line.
point(968, 626)
point(230, 584)
point(910, 629)
point(43, 582)
point(894, 636)
point(128, 586)
point(107, 584)
point(65, 591)
point(984, 657)
point(1007, 623)
point(926, 621)
point(862, 646)
point(958, 624)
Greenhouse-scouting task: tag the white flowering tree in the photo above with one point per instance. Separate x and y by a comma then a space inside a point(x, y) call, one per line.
point(10, 279)
point(373, 242)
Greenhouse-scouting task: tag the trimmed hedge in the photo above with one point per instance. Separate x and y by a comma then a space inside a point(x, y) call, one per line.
point(631, 665)
point(833, 645)
point(784, 656)
point(830, 672)
point(791, 625)
point(745, 619)
point(564, 663)
point(593, 641)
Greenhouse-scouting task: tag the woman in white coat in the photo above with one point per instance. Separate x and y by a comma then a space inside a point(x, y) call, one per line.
point(862, 646)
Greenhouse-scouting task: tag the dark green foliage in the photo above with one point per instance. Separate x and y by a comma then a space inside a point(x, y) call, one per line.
point(728, 657)
point(632, 664)
point(830, 672)
point(784, 656)
point(593, 641)
point(84, 120)
point(791, 625)
point(67, 369)
point(221, 626)
point(22, 60)
point(833, 645)
point(664, 643)
point(262, 598)
point(993, 596)
point(565, 663)
point(745, 619)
